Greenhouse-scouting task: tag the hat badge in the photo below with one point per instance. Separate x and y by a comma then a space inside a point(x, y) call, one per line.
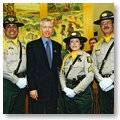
point(104, 14)
point(73, 34)
point(11, 19)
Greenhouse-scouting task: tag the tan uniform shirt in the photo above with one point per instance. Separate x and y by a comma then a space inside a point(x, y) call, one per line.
point(83, 66)
point(11, 60)
point(98, 57)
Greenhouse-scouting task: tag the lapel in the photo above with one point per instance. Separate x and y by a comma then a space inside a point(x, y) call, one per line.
point(42, 52)
point(54, 53)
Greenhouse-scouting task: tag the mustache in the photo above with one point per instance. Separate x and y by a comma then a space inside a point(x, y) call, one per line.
point(106, 27)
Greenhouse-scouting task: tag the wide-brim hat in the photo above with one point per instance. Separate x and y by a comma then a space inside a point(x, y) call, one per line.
point(75, 35)
point(104, 15)
point(12, 20)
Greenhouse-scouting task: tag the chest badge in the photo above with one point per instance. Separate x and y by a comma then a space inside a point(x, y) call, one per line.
point(89, 59)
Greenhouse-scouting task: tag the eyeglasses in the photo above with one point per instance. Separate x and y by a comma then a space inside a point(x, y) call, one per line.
point(106, 22)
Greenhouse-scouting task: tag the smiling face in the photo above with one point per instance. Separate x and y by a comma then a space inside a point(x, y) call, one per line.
point(46, 29)
point(107, 27)
point(11, 31)
point(75, 44)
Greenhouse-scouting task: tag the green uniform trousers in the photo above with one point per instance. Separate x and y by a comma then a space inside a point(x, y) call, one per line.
point(106, 100)
point(82, 103)
point(13, 98)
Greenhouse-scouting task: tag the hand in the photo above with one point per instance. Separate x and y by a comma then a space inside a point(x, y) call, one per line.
point(109, 88)
point(22, 82)
point(34, 94)
point(69, 92)
point(105, 83)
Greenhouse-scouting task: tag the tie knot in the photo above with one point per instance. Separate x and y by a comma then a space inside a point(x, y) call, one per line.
point(47, 43)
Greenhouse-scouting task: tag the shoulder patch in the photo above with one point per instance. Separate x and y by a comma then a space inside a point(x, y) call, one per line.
point(89, 59)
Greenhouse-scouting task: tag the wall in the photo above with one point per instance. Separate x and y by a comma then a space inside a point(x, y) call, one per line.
point(88, 22)
point(31, 14)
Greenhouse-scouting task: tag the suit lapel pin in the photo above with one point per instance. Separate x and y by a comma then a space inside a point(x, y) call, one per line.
point(55, 51)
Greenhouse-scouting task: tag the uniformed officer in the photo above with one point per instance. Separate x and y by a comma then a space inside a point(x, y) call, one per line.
point(14, 66)
point(75, 81)
point(103, 59)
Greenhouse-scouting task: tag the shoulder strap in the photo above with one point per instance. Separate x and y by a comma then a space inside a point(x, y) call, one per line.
point(103, 62)
point(15, 72)
point(71, 66)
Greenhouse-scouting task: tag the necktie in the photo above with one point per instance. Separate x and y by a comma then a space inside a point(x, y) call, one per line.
point(48, 53)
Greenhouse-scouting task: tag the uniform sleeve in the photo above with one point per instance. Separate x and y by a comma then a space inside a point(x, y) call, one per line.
point(88, 69)
point(112, 77)
point(96, 71)
point(62, 76)
point(9, 75)
point(62, 80)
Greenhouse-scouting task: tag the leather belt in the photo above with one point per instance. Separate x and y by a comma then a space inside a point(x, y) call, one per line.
point(106, 75)
point(21, 75)
point(75, 81)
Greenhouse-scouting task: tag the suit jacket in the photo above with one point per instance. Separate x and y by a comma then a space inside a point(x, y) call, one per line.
point(39, 75)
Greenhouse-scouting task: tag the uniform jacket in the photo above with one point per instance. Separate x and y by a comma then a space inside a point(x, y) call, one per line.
point(11, 60)
point(39, 75)
point(83, 66)
point(98, 56)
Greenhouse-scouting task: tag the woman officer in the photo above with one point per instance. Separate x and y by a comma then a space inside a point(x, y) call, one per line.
point(75, 77)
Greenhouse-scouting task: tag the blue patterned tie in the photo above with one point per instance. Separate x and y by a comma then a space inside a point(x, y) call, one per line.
point(48, 53)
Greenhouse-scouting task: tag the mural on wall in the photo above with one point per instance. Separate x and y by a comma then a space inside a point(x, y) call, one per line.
point(67, 17)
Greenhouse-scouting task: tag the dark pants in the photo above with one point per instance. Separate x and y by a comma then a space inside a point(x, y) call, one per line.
point(13, 98)
point(43, 107)
point(106, 101)
point(82, 103)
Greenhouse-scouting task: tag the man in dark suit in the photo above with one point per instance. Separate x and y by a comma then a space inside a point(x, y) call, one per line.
point(42, 70)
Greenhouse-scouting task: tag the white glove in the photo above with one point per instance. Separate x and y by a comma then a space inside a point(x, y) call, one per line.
point(66, 89)
point(105, 83)
point(69, 92)
point(109, 88)
point(22, 82)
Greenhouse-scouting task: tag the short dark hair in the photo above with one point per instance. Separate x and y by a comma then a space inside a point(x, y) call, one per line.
point(93, 38)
